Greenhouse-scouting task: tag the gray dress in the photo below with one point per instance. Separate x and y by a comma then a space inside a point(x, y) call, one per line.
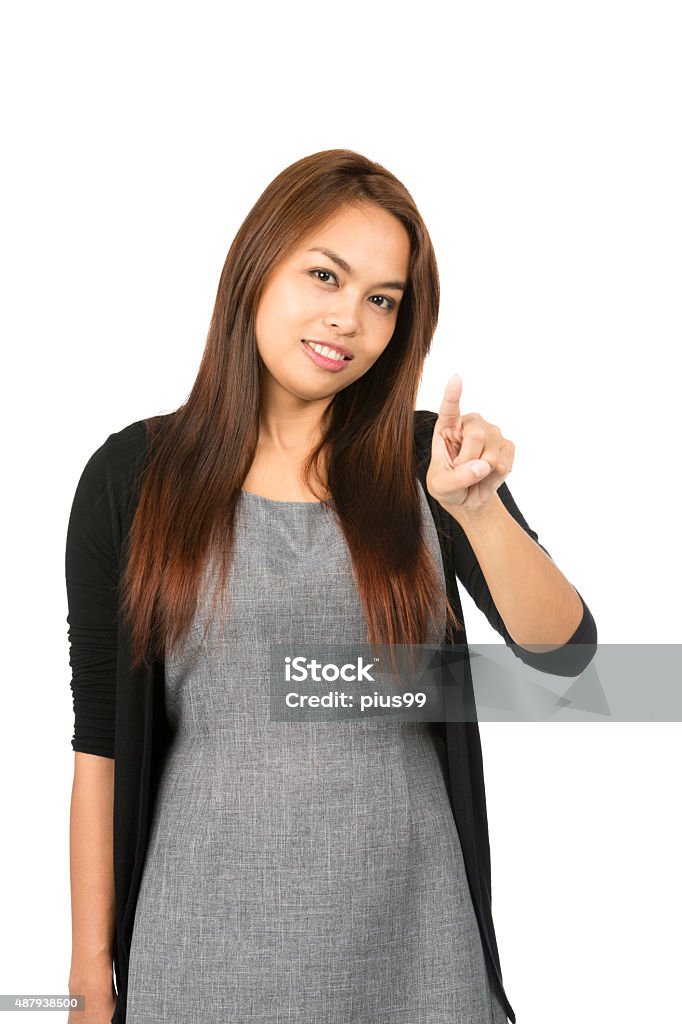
point(306, 872)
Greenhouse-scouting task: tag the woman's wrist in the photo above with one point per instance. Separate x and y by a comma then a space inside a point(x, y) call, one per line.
point(95, 974)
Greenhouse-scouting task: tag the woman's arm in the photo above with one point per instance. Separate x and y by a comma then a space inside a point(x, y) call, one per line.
point(92, 584)
point(544, 655)
point(93, 925)
point(540, 608)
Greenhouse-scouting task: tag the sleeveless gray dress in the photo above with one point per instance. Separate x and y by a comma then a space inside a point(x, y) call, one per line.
point(306, 872)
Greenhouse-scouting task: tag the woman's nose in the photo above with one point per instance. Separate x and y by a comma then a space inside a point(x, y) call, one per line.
point(345, 319)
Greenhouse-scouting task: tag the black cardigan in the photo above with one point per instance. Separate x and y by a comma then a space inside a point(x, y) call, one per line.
point(121, 714)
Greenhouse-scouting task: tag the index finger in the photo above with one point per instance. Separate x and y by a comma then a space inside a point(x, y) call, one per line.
point(448, 413)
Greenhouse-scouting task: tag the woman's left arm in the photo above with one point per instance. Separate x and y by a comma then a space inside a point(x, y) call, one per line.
point(470, 458)
point(539, 606)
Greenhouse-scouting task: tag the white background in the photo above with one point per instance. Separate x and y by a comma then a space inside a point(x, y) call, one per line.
point(541, 142)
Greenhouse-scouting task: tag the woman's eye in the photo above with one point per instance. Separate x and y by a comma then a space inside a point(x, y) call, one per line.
point(385, 298)
point(327, 272)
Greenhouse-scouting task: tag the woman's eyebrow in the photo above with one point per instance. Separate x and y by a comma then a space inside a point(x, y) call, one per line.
point(340, 262)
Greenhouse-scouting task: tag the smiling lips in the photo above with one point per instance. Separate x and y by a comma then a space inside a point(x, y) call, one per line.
point(330, 357)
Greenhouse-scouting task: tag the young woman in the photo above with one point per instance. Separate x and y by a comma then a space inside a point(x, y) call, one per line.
point(237, 868)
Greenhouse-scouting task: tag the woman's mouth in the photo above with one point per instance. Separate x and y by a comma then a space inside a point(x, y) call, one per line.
point(330, 360)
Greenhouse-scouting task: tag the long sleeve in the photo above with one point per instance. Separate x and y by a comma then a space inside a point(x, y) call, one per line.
point(91, 565)
point(568, 660)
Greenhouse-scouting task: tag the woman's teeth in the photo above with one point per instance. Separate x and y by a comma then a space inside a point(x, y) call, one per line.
point(329, 353)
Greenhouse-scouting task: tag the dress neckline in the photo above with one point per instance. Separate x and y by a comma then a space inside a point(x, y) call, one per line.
point(276, 501)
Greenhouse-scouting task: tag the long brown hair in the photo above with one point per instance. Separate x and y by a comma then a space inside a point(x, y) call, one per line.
point(200, 454)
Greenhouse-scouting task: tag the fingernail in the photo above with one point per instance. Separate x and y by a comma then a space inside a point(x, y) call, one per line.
point(480, 467)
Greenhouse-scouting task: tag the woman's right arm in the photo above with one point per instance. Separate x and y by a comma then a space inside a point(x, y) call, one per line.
point(92, 589)
point(93, 925)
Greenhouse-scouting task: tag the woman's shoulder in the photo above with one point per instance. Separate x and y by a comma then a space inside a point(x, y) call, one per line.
point(114, 463)
point(124, 446)
point(130, 443)
point(424, 420)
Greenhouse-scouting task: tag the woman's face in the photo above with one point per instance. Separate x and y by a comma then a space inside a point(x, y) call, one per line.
point(346, 298)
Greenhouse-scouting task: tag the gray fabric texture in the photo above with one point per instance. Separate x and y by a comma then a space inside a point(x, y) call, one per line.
point(305, 872)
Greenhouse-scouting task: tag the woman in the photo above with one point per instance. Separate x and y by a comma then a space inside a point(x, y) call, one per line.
point(308, 871)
